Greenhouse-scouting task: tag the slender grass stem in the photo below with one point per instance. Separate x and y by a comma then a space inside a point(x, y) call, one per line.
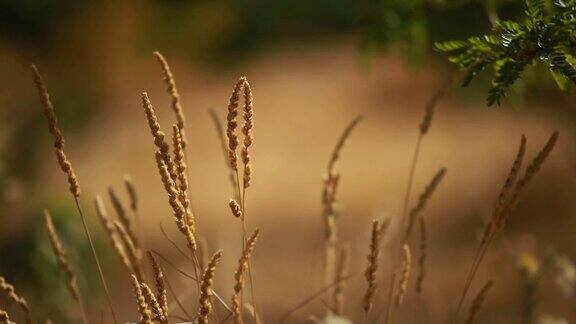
point(96, 259)
point(413, 164)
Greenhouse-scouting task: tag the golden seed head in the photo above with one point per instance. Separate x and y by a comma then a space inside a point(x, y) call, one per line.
point(235, 208)
point(372, 267)
point(54, 129)
point(206, 288)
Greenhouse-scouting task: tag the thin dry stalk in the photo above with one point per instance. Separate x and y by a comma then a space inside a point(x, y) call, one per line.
point(341, 273)
point(309, 299)
point(206, 288)
point(63, 264)
point(132, 252)
point(174, 94)
point(390, 298)
point(423, 254)
point(111, 231)
point(372, 267)
point(422, 200)
point(4, 318)
point(66, 167)
point(239, 277)
point(404, 275)
point(328, 199)
point(478, 301)
point(9, 292)
point(424, 127)
point(143, 307)
point(203, 252)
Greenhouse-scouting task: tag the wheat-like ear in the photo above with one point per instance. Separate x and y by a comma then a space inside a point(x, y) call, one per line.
point(178, 209)
point(66, 166)
point(153, 303)
point(404, 275)
point(248, 116)
point(63, 264)
point(123, 216)
point(132, 193)
point(181, 175)
point(506, 190)
point(161, 294)
point(235, 208)
point(328, 199)
point(174, 94)
point(521, 185)
point(422, 200)
point(206, 288)
point(61, 257)
point(478, 301)
point(233, 123)
point(423, 253)
point(143, 307)
point(4, 318)
point(54, 129)
point(239, 276)
point(110, 229)
point(372, 267)
point(158, 135)
point(131, 251)
point(9, 292)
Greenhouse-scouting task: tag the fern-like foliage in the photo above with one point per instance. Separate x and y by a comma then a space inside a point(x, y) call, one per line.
point(547, 36)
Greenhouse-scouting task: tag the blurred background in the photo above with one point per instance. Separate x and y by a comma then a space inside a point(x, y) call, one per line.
point(313, 67)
